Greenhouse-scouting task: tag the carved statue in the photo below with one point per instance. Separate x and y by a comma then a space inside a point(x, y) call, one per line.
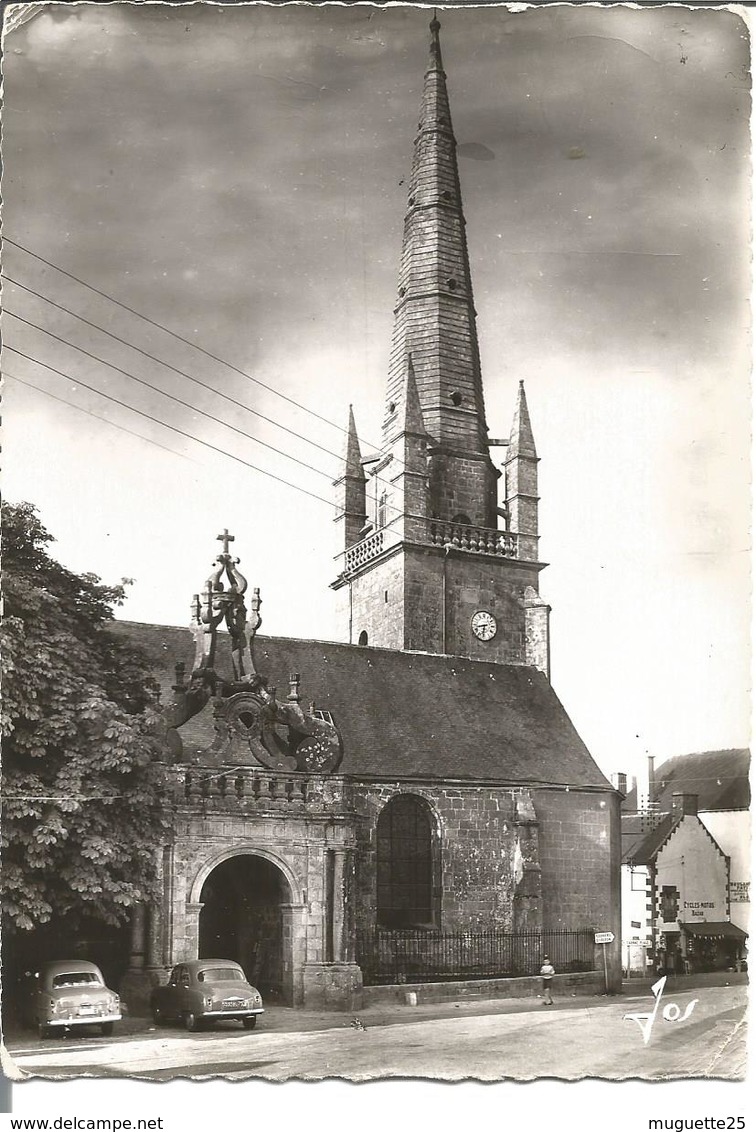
point(251, 724)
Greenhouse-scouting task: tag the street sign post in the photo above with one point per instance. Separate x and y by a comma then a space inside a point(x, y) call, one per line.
point(603, 938)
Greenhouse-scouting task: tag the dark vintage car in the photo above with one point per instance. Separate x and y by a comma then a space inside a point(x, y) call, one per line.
point(202, 991)
point(72, 992)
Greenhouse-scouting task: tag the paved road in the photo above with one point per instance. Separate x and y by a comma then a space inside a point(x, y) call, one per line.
point(521, 1040)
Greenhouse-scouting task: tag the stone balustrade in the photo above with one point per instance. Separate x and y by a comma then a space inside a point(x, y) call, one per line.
point(255, 788)
point(364, 551)
point(481, 540)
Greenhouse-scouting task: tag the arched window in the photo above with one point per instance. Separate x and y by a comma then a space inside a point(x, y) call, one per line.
point(363, 638)
point(461, 520)
point(405, 864)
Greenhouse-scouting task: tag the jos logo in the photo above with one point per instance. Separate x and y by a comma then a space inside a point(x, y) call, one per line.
point(671, 1012)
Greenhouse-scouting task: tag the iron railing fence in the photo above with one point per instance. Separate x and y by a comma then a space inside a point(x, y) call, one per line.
point(389, 956)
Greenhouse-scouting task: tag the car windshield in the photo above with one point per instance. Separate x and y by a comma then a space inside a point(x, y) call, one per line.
point(77, 979)
point(220, 975)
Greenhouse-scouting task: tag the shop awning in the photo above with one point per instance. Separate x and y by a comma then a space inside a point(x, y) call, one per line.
point(715, 930)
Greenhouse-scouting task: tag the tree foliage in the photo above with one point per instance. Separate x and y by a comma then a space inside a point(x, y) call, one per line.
point(82, 777)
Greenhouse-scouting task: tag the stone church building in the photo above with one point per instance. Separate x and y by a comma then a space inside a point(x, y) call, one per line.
point(413, 804)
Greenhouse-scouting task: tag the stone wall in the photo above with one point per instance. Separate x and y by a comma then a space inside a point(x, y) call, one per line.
point(476, 831)
point(501, 859)
point(563, 986)
point(377, 604)
point(579, 833)
point(473, 582)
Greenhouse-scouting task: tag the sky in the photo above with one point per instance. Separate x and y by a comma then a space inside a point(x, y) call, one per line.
point(237, 175)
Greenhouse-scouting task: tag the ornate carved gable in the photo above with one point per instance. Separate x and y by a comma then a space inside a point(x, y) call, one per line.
point(252, 726)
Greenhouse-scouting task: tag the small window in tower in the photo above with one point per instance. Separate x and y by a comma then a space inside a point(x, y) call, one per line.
point(451, 284)
point(411, 201)
point(385, 597)
point(392, 406)
point(446, 195)
point(456, 398)
point(402, 292)
point(363, 638)
point(381, 516)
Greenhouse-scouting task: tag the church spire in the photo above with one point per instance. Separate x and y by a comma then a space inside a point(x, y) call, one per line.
point(431, 569)
point(434, 318)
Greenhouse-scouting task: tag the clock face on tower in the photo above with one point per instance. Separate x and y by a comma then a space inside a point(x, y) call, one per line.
point(483, 625)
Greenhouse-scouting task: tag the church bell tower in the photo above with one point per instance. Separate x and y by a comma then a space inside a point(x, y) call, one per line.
point(430, 560)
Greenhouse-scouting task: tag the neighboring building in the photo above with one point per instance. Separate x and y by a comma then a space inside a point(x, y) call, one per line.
point(686, 865)
point(433, 812)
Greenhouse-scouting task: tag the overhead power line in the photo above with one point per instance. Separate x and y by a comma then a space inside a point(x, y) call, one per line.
point(180, 337)
point(164, 424)
point(170, 396)
point(168, 365)
point(376, 478)
point(173, 428)
point(392, 507)
point(182, 373)
point(81, 409)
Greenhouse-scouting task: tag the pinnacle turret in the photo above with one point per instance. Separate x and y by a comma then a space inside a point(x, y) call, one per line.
point(521, 480)
point(352, 453)
point(521, 442)
point(350, 490)
point(413, 424)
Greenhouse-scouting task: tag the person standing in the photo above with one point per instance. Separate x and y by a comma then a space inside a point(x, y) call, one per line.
point(547, 974)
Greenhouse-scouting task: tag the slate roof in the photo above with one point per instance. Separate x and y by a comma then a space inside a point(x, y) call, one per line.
point(719, 778)
point(405, 714)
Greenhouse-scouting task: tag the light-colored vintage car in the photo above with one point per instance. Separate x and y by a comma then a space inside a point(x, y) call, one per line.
point(202, 991)
point(72, 992)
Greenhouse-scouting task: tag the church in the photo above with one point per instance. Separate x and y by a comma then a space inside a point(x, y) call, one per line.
point(412, 806)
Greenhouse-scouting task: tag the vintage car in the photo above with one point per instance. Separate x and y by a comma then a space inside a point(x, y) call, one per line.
point(202, 991)
point(72, 992)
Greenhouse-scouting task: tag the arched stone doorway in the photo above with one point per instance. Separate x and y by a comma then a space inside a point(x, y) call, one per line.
point(245, 901)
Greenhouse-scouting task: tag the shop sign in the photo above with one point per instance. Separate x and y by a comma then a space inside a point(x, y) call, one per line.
point(697, 909)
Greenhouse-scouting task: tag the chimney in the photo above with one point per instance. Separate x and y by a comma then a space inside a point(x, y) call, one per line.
point(619, 781)
point(684, 804)
point(651, 780)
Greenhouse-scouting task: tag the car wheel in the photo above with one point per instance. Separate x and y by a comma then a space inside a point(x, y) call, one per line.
point(191, 1022)
point(106, 1029)
point(249, 1023)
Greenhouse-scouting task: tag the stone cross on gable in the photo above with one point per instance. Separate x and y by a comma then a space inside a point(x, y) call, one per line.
point(225, 538)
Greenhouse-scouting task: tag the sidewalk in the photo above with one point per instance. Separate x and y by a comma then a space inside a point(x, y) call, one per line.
point(287, 1019)
point(685, 982)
